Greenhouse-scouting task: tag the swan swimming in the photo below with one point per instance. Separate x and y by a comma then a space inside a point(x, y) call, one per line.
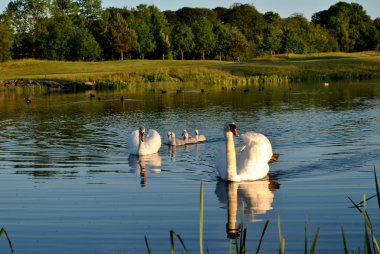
point(175, 141)
point(200, 138)
point(141, 144)
point(188, 139)
point(247, 163)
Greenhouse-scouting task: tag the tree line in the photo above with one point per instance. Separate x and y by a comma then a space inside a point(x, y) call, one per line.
point(81, 30)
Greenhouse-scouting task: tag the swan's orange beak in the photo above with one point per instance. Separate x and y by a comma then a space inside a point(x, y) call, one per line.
point(235, 132)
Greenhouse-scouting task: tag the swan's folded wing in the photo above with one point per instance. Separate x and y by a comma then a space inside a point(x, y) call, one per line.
point(133, 142)
point(153, 141)
point(258, 147)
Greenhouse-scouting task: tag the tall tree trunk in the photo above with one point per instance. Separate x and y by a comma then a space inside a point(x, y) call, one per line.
point(121, 55)
point(181, 54)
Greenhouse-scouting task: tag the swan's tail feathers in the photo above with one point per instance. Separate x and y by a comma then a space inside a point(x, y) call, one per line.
point(274, 158)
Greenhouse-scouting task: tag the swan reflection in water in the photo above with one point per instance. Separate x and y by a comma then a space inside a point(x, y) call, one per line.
point(140, 164)
point(257, 196)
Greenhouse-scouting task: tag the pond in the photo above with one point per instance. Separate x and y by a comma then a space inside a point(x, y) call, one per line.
point(69, 185)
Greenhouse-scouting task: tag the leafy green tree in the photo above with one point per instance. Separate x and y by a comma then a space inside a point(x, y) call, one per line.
point(247, 19)
point(295, 31)
point(204, 39)
point(28, 18)
point(221, 33)
point(271, 17)
point(321, 40)
point(221, 13)
point(271, 39)
point(144, 29)
point(189, 16)
point(124, 38)
point(90, 10)
point(161, 31)
point(84, 46)
point(237, 44)
point(182, 38)
point(6, 38)
point(171, 18)
point(120, 37)
point(350, 24)
point(54, 43)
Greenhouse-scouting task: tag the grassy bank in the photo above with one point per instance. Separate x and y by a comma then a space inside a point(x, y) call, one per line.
point(274, 69)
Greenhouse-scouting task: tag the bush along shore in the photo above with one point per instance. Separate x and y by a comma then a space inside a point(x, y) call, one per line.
point(151, 79)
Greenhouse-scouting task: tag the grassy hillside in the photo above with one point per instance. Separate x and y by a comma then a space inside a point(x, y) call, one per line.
point(282, 68)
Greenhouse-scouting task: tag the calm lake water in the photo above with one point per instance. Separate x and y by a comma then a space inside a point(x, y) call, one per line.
point(68, 184)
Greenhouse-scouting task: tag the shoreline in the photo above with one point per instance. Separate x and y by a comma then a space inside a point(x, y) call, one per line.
point(269, 70)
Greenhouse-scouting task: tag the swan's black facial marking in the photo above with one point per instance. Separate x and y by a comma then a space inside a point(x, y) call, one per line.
point(233, 129)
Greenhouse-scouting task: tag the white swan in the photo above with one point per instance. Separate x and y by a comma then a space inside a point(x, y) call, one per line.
point(177, 142)
point(169, 141)
point(188, 139)
point(248, 163)
point(141, 144)
point(200, 138)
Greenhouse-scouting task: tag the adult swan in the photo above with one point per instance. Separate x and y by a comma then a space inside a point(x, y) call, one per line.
point(247, 163)
point(141, 144)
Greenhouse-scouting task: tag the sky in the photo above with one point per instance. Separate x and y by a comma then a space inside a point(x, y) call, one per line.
point(283, 7)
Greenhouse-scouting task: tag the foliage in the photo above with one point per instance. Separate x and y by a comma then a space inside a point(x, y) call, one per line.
point(6, 38)
point(183, 39)
point(351, 26)
point(82, 30)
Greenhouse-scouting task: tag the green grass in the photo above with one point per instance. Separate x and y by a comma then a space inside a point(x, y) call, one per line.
point(274, 69)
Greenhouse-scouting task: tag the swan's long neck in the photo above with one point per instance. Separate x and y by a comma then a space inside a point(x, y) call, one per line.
point(230, 157)
point(141, 146)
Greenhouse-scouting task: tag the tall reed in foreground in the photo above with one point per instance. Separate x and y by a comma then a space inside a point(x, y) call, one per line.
point(3, 231)
point(371, 245)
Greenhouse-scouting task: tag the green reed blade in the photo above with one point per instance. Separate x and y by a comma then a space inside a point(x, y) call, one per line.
point(377, 188)
point(306, 238)
point(314, 245)
point(230, 250)
point(367, 244)
point(172, 241)
point(201, 205)
point(282, 247)
point(279, 227)
point(208, 251)
point(368, 225)
point(355, 205)
point(147, 246)
point(8, 238)
point(242, 242)
point(262, 236)
point(282, 240)
point(360, 204)
point(344, 240)
point(172, 234)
